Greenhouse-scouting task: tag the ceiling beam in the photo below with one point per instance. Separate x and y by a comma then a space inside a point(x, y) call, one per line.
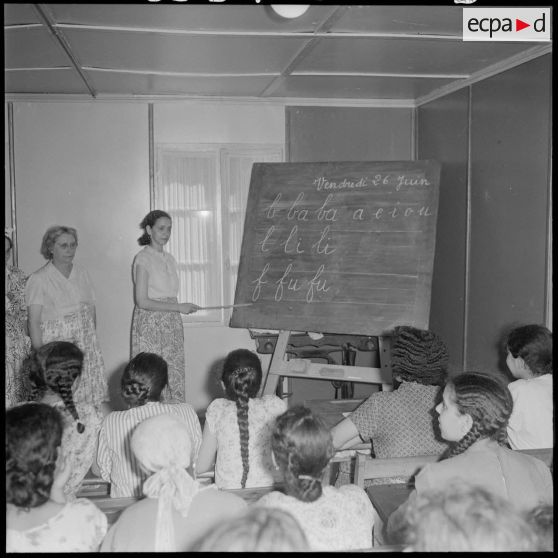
point(51, 26)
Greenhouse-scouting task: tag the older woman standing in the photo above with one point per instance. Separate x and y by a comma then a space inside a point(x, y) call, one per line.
point(156, 323)
point(61, 307)
point(18, 344)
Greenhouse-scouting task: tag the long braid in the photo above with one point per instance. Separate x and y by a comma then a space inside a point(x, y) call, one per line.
point(242, 377)
point(59, 363)
point(302, 446)
point(488, 401)
point(242, 419)
point(65, 391)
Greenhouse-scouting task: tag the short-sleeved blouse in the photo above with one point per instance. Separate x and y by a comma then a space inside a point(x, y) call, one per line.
point(340, 519)
point(163, 272)
point(222, 422)
point(401, 422)
point(57, 294)
point(78, 527)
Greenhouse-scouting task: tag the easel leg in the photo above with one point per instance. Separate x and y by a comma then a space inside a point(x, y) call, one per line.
point(269, 381)
point(384, 351)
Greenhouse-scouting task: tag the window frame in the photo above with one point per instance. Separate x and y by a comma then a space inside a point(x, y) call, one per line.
point(222, 153)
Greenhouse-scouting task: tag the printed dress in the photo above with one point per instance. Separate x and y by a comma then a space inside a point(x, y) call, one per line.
point(222, 422)
point(18, 343)
point(158, 332)
point(78, 527)
point(68, 310)
point(79, 448)
point(340, 519)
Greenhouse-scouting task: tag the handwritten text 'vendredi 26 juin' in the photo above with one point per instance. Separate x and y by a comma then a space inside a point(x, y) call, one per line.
point(296, 211)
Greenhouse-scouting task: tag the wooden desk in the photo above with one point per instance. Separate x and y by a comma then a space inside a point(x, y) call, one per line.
point(386, 498)
point(331, 411)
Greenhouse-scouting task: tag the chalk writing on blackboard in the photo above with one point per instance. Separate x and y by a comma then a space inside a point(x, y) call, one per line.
point(338, 247)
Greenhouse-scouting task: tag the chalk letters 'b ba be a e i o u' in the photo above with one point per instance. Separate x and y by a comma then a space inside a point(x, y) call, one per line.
point(341, 247)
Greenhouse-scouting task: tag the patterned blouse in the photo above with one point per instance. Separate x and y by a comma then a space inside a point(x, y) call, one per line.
point(57, 294)
point(222, 423)
point(163, 272)
point(78, 527)
point(341, 519)
point(400, 423)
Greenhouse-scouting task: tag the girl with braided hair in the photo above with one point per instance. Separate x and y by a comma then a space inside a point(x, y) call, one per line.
point(237, 431)
point(54, 372)
point(331, 518)
point(473, 417)
point(38, 517)
point(143, 381)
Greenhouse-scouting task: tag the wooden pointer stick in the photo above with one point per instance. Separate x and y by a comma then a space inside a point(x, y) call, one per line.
point(228, 306)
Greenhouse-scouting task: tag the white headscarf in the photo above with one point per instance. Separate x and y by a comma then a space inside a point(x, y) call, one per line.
point(163, 446)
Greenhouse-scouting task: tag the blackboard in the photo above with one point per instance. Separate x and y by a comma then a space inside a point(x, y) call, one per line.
point(338, 247)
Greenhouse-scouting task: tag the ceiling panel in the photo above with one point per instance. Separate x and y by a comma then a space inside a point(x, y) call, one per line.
point(182, 53)
point(32, 48)
point(356, 87)
point(53, 82)
point(217, 17)
point(426, 20)
point(428, 56)
point(20, 14)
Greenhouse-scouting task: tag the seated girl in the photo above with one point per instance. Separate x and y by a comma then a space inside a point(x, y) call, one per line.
point(38, 517)
point(473, 417)
point(331, 518)
point(400, 423)
point(530, 362)
point(176, 508)
point(142, 382)
point(237, 431)
point(54, 371)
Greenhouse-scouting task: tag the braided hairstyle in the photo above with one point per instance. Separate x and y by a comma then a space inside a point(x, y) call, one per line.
point(148, 221)
point(533, 343)
point(419, 355)
point(33, 436)
point(242, 377)
point(488, 401)
point(302, 446)
point(143, 379)
point(55, 366)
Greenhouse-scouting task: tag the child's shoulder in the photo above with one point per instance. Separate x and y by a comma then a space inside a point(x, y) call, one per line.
point(273, 401)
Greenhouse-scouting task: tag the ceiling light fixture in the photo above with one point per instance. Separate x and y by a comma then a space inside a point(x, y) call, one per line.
point(290, 11)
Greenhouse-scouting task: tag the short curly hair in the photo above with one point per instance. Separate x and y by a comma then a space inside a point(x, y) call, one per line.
point(33, 436)
point(51, 236)
point(533, 343)
point(419, 355)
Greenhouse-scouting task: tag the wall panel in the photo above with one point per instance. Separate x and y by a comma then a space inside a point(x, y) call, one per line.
point(443, 134)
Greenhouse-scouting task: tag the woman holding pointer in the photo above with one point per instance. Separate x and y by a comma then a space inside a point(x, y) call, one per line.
point(156, 323)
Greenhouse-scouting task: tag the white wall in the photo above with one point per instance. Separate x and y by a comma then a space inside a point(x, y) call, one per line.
point(85, 164)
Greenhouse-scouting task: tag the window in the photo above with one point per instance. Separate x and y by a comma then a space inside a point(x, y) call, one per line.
point(204, 189)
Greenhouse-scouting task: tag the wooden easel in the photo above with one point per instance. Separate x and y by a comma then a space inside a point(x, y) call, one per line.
point(304, 368)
